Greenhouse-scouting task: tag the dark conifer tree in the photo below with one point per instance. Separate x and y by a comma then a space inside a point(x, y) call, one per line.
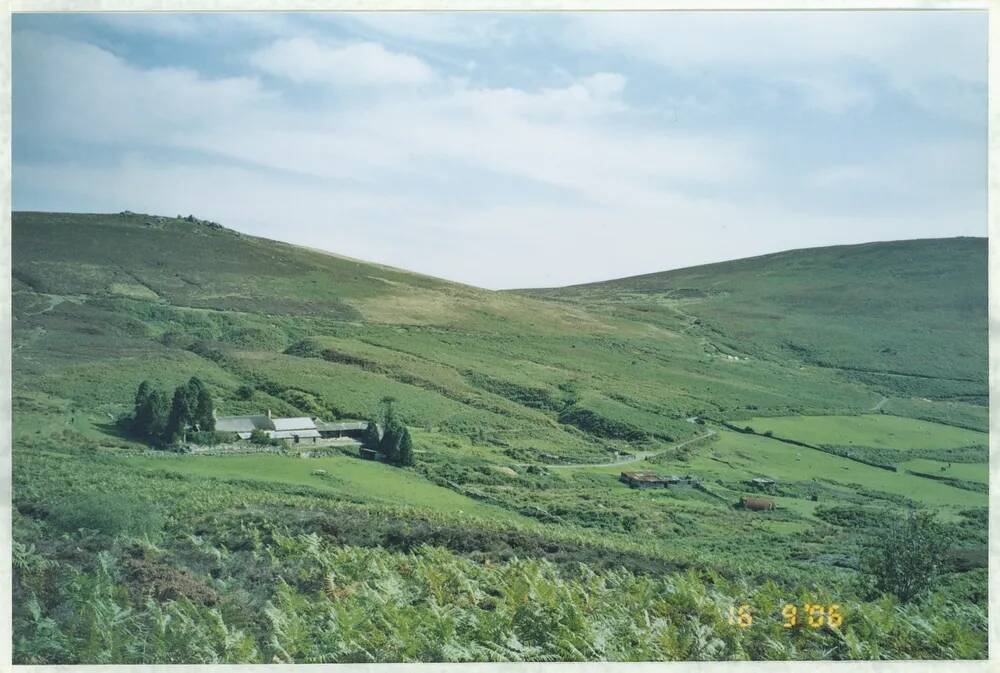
point(391, 437)
point(204, 411)
point(180, 415)
point(370, 439)
point(158, 414)
point(142, 394)
point(405, 453)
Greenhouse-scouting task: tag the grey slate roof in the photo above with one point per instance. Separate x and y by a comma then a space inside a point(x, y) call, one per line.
point(288, 424)
point(243, 423)
point(281, 428)
point(326, 426)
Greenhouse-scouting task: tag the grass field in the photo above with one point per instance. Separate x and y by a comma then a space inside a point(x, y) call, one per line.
point(742, 457)
point(879, 431)
point(966, 471)
point(521, 406)
point(346, 478)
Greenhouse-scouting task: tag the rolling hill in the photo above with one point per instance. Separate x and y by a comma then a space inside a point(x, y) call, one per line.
point(904, 317)
point(854, 375)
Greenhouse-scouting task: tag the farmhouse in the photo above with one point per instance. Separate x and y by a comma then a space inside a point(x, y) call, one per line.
point(637, 479)
point(298, 430)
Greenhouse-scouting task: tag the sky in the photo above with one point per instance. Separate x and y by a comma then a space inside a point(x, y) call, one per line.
point(513, 149)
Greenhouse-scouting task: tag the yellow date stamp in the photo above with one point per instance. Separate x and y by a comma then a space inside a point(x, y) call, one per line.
point(808, 615)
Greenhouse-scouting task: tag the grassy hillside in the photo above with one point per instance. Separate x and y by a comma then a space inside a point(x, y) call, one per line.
point(855, 376)
point(905, 318)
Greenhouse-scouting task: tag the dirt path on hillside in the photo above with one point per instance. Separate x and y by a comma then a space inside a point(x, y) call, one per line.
point(641, 455)
point(53, 299)
point(879, 404)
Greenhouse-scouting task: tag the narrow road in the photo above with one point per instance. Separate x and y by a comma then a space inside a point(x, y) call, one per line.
point(879, 404)
point(641, 455)
point(53, 299)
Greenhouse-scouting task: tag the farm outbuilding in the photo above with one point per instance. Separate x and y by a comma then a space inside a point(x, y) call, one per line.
point(757, 504)
point(352, 429)
point(298, 429)
point(763, 483)
point(643, 479)
point(242, 426)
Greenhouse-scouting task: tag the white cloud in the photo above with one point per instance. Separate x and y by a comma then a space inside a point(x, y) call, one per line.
point(833, 95)
point(918, 169)
point(447, 28)
point(464, 177)
point(814, 50)
point(77, 90)
point(304, 60)
point(494, 244)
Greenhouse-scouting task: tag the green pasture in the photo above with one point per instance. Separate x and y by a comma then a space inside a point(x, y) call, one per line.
point(979, 472)
point(875, 430)
point(346, 478)
point(497, 388)
point(739, 456)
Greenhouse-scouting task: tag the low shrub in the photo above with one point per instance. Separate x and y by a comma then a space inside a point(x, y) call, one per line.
point(111, 514)
point(595, 424)
point(211, 438)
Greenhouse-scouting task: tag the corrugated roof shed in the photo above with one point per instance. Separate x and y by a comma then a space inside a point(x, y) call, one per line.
point(327, 426)
point(299, 423)
point(243, 424)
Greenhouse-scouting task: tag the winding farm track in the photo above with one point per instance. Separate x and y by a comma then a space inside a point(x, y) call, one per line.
point(879, 404)
point(641, 455)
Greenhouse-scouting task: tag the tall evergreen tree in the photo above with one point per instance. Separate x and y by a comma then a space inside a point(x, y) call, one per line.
point(158, 414)
point(370, 438)
point(391, 437)
point(140, 414)
point(180, 414)
point(388, 410)
point(142, 394)
point(391, 430)
point(193, 388)
point(204, 411)
point(405, 452)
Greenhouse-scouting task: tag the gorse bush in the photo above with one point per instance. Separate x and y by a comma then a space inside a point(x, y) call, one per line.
point(211, 437)
point(261, 438)
point(108, 513)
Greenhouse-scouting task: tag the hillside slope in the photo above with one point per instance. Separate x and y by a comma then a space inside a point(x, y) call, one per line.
point(907, 318)
point(137, 289)
point(524, 408)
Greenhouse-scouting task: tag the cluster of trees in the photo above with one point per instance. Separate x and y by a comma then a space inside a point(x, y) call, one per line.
point(159, 421)
point(395, 443)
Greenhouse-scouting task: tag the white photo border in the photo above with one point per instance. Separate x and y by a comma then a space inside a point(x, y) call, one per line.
point(992, 7)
